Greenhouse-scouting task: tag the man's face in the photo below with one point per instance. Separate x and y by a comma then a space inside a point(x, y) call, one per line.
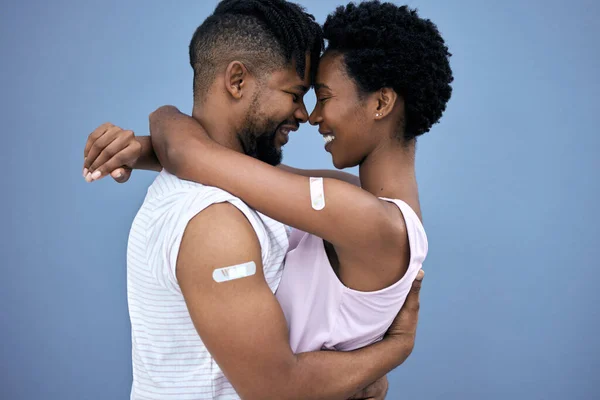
point(277, 108)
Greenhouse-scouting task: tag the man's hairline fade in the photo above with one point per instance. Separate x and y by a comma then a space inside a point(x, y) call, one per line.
point(240, 30)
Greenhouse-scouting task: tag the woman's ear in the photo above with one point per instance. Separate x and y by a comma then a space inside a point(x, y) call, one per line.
point(385, 101)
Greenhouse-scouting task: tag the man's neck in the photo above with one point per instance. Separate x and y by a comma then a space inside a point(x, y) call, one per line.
point(217, 125)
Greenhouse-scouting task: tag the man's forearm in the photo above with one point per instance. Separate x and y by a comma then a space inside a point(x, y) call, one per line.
point(148, 160)
point(338, 375)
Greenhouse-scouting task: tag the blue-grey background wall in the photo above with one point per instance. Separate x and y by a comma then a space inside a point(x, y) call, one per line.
point(509, 184)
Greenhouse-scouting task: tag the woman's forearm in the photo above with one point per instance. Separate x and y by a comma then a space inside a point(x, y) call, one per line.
point(147, 160)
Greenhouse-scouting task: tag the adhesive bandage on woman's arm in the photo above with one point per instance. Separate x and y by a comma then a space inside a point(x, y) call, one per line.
point(317, 194)
point(234, 272)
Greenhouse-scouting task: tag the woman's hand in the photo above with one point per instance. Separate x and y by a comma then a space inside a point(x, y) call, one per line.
point(116, 151)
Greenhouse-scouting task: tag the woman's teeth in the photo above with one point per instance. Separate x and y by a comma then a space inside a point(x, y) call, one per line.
point(328, 138)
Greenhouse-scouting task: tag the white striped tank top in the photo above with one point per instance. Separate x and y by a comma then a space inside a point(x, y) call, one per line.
point(169, 359)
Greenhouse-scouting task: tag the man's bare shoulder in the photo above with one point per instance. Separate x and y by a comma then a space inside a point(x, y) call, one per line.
point(219, 236)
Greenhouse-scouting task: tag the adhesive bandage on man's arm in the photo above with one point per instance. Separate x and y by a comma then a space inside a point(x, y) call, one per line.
point(234, 272)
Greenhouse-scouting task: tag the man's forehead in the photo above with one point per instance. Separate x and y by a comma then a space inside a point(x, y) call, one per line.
point(289, 78)
point(292, 78)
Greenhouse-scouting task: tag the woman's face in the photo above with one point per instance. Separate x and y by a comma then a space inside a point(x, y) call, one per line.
point(344, 119)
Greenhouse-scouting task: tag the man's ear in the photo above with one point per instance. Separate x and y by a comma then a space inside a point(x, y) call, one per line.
point(236, 76)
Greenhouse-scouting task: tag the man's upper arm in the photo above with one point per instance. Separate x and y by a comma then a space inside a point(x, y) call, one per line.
point(239, 321)
point(323, 173)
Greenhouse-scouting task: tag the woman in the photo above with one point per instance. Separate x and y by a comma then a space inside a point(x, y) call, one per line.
point(383, 80)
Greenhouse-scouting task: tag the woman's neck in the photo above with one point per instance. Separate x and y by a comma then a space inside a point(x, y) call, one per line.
point(389, 171)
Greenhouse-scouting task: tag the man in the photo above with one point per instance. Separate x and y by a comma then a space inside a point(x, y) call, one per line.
point(202, 266)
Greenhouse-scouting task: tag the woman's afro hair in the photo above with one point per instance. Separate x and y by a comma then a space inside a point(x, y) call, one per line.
point(385, 45)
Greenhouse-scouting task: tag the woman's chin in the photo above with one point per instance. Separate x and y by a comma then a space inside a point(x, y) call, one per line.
point(341, 162)
point(338, 162)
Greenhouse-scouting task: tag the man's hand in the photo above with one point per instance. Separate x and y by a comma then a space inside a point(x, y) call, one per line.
point(404, 327)
point(375, 391)
point(110, 150)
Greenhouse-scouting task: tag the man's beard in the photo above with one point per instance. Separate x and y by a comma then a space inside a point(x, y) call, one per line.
point(258, 139)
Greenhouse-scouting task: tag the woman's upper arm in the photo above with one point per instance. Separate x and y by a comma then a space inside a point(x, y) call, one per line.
point(351, 216)
point(324, 173)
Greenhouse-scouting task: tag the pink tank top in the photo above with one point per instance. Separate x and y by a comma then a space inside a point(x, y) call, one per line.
point(322, 313)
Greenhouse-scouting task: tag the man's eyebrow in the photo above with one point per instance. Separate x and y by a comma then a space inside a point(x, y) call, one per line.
point(301, 88)
point(321, 86)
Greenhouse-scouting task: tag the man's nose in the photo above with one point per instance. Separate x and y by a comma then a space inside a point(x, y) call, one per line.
point(301, 114)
